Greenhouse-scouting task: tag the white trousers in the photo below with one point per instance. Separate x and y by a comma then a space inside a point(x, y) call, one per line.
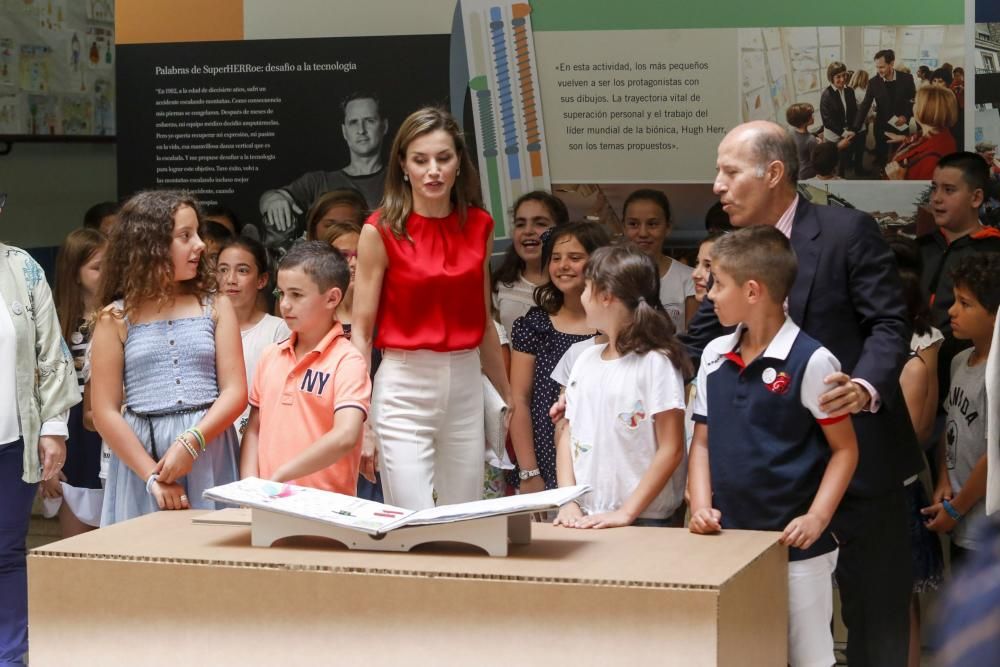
point(427, 418)
point(810, 610)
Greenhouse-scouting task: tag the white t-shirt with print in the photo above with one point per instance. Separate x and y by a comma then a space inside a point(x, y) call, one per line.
point(965, 437)
point(676, 285)
point(269, 330)
point(610, 406)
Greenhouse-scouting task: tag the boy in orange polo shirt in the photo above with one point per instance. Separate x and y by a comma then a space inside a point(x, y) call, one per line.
point(311, 392)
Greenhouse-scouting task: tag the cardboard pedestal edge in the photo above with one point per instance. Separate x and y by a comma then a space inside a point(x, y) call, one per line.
point(113, 608)
point(391, 572)
point(384, 572)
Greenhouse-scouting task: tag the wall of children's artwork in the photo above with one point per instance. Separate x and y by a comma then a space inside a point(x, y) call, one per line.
point(57, 67)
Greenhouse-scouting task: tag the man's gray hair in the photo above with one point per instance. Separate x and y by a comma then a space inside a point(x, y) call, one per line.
point(776, 144)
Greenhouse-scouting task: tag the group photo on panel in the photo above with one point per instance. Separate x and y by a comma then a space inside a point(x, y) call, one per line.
point(800, 370)
point(862, 102)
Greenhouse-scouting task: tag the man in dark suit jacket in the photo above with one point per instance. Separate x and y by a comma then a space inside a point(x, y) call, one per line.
point(893, 93)
point(848, 296)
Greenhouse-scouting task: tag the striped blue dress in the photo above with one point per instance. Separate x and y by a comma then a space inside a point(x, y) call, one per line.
point(170, 382)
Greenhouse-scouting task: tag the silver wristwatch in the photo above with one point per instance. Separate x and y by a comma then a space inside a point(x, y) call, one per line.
point(525, 475)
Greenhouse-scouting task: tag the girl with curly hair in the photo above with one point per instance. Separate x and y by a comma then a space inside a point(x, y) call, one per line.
point(174, 345)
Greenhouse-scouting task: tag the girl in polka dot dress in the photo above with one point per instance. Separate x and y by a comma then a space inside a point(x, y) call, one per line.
point(540, 338)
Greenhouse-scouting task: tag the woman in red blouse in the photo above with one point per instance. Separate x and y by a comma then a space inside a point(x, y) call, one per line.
point(422, 283)
point(936, 111)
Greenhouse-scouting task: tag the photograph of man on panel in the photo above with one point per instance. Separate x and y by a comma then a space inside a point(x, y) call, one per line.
point(363, 128)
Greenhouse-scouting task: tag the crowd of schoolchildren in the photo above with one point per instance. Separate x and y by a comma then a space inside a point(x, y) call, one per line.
point(362, 384)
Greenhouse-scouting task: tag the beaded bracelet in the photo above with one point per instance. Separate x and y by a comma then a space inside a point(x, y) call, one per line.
point(190, 450)
point(198, 435)
point(950, 509)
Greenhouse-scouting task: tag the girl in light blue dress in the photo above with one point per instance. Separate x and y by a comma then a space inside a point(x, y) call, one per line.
point(174, 347)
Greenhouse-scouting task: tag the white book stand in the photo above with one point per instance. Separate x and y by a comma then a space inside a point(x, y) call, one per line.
point(492, 534)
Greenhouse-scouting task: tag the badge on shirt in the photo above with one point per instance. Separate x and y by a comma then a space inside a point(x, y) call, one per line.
point(776, 383)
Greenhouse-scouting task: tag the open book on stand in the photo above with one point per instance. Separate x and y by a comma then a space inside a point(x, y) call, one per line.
point(376, 518)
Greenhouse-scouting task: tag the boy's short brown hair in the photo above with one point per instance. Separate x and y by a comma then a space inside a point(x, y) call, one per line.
point(321, 262)
point(760, 253)
point(798, 114)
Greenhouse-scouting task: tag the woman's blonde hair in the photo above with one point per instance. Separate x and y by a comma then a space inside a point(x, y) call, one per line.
point(936, 107)
point(860, 79)
point(397, 202)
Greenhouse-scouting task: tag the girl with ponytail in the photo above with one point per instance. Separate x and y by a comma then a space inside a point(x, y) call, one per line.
point(624, 401)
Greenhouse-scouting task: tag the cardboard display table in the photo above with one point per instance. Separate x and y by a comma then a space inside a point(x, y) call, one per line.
point(160, 590)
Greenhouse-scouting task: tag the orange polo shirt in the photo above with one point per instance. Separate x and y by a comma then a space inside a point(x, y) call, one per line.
point(298, 401)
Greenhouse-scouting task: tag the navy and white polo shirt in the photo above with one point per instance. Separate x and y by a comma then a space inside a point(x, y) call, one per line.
point(767, 452)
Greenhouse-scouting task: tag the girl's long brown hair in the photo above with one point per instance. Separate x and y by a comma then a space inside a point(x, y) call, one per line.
point(397, 201)
point(631, 276)
point(77, 249)
point(137, 266)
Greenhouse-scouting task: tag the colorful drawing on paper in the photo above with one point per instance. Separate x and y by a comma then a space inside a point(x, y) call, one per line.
point(806, 81)
point(776, 61)
point(8, 62)
point(35, 68)
point(10, 117)
point(74, 53)
point(52, 15)
point(77, 114)
point(503, 78)
point(43, 115)
point(754, 73)
point(275, 490)
point(101, 10)
point(752, 39)
point(779, 93)
point(104, 107)
point(772, 38)
point(758, 104)
point(802, 59)
point(829, 54)
point(99, 50)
